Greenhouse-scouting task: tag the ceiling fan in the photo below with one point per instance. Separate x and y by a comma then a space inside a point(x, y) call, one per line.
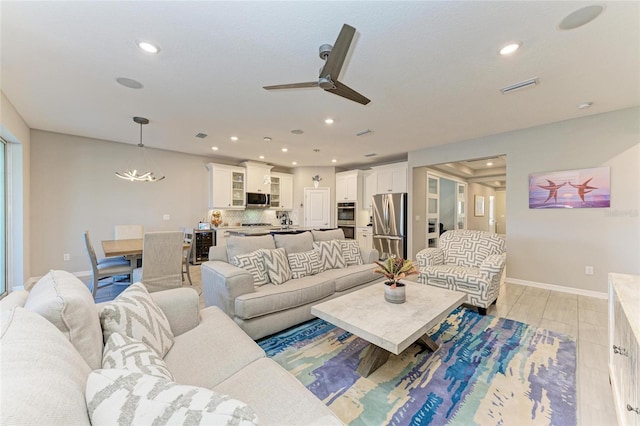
point(334, 58)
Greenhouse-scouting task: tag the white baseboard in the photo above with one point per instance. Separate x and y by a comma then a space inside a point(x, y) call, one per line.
point(33, 280)
point(559, 288)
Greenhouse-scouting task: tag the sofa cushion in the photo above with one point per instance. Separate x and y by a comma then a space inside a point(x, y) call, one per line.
point(13, 299)
point(67, 303)
point(271, 298)
point(304, 263)
point(331, 234)
point(254, 263)
point(125, 397)
point(244, 245)
point(294, 243)
point(352, 276)
point(451, 274)
point(43, 375)
point(351, 252)
point(135, 314)
point(277, 265)
point(330, 254)
point(129, 354)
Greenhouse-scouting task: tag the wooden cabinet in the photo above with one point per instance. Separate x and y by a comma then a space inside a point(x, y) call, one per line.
point(282, 191)
point(391, 178)
point(226, 187)
point(370, 188)
point(364, 236)
point(347, 186)
point(258, 177)
point(624, 346)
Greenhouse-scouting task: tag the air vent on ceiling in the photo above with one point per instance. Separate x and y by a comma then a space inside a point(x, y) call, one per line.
point(373, 154)
point(363, 132)
point(518, 86)
point(201, 135)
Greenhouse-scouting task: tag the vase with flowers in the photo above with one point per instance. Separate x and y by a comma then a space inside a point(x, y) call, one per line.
point(316, 180)
point(394, 269)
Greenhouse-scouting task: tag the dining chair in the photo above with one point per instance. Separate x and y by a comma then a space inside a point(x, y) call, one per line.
point(162, 255)
point(108, 267)
point(186, 253)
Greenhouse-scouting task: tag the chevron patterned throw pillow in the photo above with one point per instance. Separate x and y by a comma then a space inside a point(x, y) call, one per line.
point(351, 252)
point(277, 265)
point(252, 262)
point(135, 314)
point(330, 253)
point(304, 263)
point(116, 397)
point(130, 354)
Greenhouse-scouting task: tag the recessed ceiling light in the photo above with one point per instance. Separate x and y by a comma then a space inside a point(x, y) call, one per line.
point(585, 105)
point(509, 49)
point(284, 150)
point(148, 47)
point(294, 162)
point(267, 139)
point(127, 82)
point(261, 157)
point(581, 17)
point(489, 163)
point(328, 121)
point(215, 148)
point(334, 161)
point(234, 138)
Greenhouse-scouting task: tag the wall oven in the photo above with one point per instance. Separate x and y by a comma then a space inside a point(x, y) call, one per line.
point(347, 219)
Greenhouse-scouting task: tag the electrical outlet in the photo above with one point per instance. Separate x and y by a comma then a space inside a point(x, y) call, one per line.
point(66, 256)
point(166, 217)
point(588, 270)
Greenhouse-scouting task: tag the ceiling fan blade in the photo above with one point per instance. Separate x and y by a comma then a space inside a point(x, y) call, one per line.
point(292, 85)
point(347, 92)
point(338, 53)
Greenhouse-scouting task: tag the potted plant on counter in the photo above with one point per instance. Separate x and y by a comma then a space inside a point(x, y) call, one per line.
point(395, 269)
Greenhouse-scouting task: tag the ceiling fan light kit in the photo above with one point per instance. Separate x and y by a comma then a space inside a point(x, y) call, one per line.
point(132, 175)
point(334, 57)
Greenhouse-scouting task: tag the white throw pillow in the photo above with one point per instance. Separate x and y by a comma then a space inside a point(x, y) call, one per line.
point(277, 265)
point(117, 397)
point(252, 262)
point(304, 263)
point(130, 354)
point(134, 314)
point(330, 254)
point(351, 252)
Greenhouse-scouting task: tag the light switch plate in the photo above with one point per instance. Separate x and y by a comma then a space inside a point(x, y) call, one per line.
point(166, 217)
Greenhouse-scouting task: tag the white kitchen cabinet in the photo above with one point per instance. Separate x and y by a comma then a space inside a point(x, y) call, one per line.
point(282, 191)
point(221, 237)
point(364, 236)
point(391, 178)
point(370, 188)
point(624, 346)
point(347, 186)
point(226, 186)
point(258, 177)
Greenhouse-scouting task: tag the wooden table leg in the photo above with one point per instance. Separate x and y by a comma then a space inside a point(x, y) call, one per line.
point(427, 342)
point(373, 358)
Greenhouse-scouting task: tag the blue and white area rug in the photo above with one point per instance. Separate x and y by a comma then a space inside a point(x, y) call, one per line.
point(487, 371)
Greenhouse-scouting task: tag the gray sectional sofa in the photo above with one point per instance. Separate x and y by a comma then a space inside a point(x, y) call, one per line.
point(261, 310)
point(52, 355)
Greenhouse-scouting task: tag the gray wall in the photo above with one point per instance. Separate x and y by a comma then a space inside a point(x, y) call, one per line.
point(553, 246)
point(74, 188)
point(478, 223)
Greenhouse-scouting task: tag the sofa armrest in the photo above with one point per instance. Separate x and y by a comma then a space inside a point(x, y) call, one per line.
point(222, 283)
point(369, 255)
point(493, 266)
point(181, 306)
point(430, 257)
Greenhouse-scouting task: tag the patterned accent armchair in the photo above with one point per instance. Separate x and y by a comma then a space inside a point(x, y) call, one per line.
point(471, 262)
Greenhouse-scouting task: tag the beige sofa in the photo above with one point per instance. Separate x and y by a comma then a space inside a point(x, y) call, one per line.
point(51, 340)
point(261, 310)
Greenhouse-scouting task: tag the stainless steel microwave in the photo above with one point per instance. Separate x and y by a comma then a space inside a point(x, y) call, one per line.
point(257, 200)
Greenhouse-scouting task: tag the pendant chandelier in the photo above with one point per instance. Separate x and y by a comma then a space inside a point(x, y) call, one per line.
point(133, 175)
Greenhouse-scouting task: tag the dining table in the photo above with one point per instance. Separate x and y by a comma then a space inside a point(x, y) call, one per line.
point(131, 248)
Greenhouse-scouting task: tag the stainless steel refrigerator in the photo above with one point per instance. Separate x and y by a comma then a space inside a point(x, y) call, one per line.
point(390, 224)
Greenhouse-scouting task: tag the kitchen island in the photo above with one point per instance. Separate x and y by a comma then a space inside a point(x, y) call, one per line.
point(255, 231)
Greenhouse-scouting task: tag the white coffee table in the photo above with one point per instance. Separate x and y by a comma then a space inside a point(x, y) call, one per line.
point(390, 328)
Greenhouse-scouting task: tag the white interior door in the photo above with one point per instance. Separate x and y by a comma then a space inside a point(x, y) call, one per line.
point(316, 207)
point(461, 206)
point(433, 210)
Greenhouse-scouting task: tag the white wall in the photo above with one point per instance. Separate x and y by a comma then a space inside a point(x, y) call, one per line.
point(553, 246)
point(302, 179)
point(478, 223)
point(74, 188)
point(15, 131)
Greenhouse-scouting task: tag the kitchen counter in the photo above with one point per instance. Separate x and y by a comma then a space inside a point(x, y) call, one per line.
point(254, 231)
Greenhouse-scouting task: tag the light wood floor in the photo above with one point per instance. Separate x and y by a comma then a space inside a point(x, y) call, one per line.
point(585, 318)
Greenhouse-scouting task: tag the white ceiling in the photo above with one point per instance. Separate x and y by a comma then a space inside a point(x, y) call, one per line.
point(431, 70)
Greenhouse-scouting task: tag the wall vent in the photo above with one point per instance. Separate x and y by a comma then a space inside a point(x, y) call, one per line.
point(363, 132)
point(373, 154)
point(518, 86)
